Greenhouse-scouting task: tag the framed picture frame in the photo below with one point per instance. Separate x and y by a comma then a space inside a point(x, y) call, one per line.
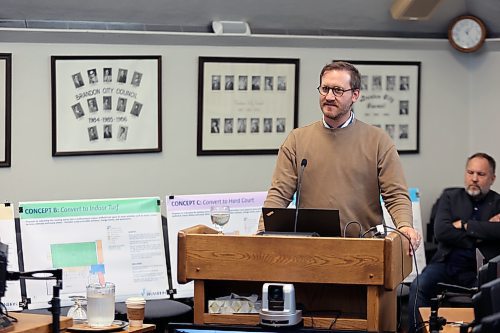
point(5, 108)
point(390, 99)
point(106, 105)
point(246, 106)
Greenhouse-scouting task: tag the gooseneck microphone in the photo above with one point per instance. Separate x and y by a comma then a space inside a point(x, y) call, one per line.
point(303, 165)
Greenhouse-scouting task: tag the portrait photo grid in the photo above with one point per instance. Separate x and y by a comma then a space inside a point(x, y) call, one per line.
point(247, 105)
point(5, 108)
point(100, 104)
point(389, 100)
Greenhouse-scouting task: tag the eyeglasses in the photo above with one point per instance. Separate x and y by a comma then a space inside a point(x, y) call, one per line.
point(337, 91)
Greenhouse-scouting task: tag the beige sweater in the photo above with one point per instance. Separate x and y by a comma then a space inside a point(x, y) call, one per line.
point(348, 169)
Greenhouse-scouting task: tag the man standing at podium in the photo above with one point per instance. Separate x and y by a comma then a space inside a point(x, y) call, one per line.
point(349, 163)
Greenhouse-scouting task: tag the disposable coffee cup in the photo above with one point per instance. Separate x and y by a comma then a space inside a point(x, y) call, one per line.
point(135, 311)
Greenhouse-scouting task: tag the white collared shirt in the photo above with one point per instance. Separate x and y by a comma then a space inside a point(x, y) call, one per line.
point(345, 124)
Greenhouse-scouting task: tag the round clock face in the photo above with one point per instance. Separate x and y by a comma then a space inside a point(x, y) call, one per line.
point(467, 33)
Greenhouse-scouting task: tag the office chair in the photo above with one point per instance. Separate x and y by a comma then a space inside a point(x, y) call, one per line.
point(456, 296)
point(460, 297)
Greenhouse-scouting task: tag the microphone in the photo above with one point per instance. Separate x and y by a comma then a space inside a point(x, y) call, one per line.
point(303, 165)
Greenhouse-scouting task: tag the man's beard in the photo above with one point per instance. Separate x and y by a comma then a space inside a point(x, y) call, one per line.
point(343, 112)
point(474, 191)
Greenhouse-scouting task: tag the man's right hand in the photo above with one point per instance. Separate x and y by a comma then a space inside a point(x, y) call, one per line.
point(495, 218)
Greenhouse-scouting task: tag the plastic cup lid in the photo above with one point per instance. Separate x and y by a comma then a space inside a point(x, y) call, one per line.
point(135, 300)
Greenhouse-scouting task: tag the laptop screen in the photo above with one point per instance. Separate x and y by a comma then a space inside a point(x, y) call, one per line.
point(323, 222)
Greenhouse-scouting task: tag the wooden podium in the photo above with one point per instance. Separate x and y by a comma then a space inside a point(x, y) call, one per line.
point(340, 283)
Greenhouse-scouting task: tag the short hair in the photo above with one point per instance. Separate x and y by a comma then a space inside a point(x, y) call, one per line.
point(343, 66)
point(487, 157)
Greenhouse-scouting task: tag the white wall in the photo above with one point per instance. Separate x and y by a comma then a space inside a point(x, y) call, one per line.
point(454, 89)
point(484, 108)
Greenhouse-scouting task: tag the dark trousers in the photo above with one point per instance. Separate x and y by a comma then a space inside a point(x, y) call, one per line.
point(428, 289)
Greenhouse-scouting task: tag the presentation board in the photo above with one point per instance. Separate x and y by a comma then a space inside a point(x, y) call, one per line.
point(417, 224)
point(113, 240)
point(12, 296)
point(184, 211)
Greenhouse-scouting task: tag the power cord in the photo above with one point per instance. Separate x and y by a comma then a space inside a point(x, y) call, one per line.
point(5, 313)
point(401, 288)
point(414, 260)
point(422, 326)
point(334, 320)
point(356, 222)
point(336, 315)
point(368, 231)
point(416, 270)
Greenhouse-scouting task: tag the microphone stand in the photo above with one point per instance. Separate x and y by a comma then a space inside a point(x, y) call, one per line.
point(435, 322)
point(303, 165)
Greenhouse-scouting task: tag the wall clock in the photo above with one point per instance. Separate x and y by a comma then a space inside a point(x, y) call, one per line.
point(467, 33)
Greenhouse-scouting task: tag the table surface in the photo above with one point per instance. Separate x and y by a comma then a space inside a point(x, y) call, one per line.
point(37, 323)
point(456, 315)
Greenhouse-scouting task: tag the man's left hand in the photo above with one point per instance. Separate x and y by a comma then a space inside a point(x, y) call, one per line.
point(414, 237)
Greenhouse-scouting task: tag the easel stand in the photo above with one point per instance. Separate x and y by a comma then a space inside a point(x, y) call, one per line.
point(341, 283)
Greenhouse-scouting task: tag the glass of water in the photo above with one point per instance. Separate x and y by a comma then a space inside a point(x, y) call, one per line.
point(100, 304)
point(220, 217)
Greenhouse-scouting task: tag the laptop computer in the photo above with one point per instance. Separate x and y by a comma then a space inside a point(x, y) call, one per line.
point(313, 221)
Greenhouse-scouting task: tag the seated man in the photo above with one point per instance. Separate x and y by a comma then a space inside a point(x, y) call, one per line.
point(466, 219)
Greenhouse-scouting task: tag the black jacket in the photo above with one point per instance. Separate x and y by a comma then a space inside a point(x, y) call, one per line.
point(455, 204)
